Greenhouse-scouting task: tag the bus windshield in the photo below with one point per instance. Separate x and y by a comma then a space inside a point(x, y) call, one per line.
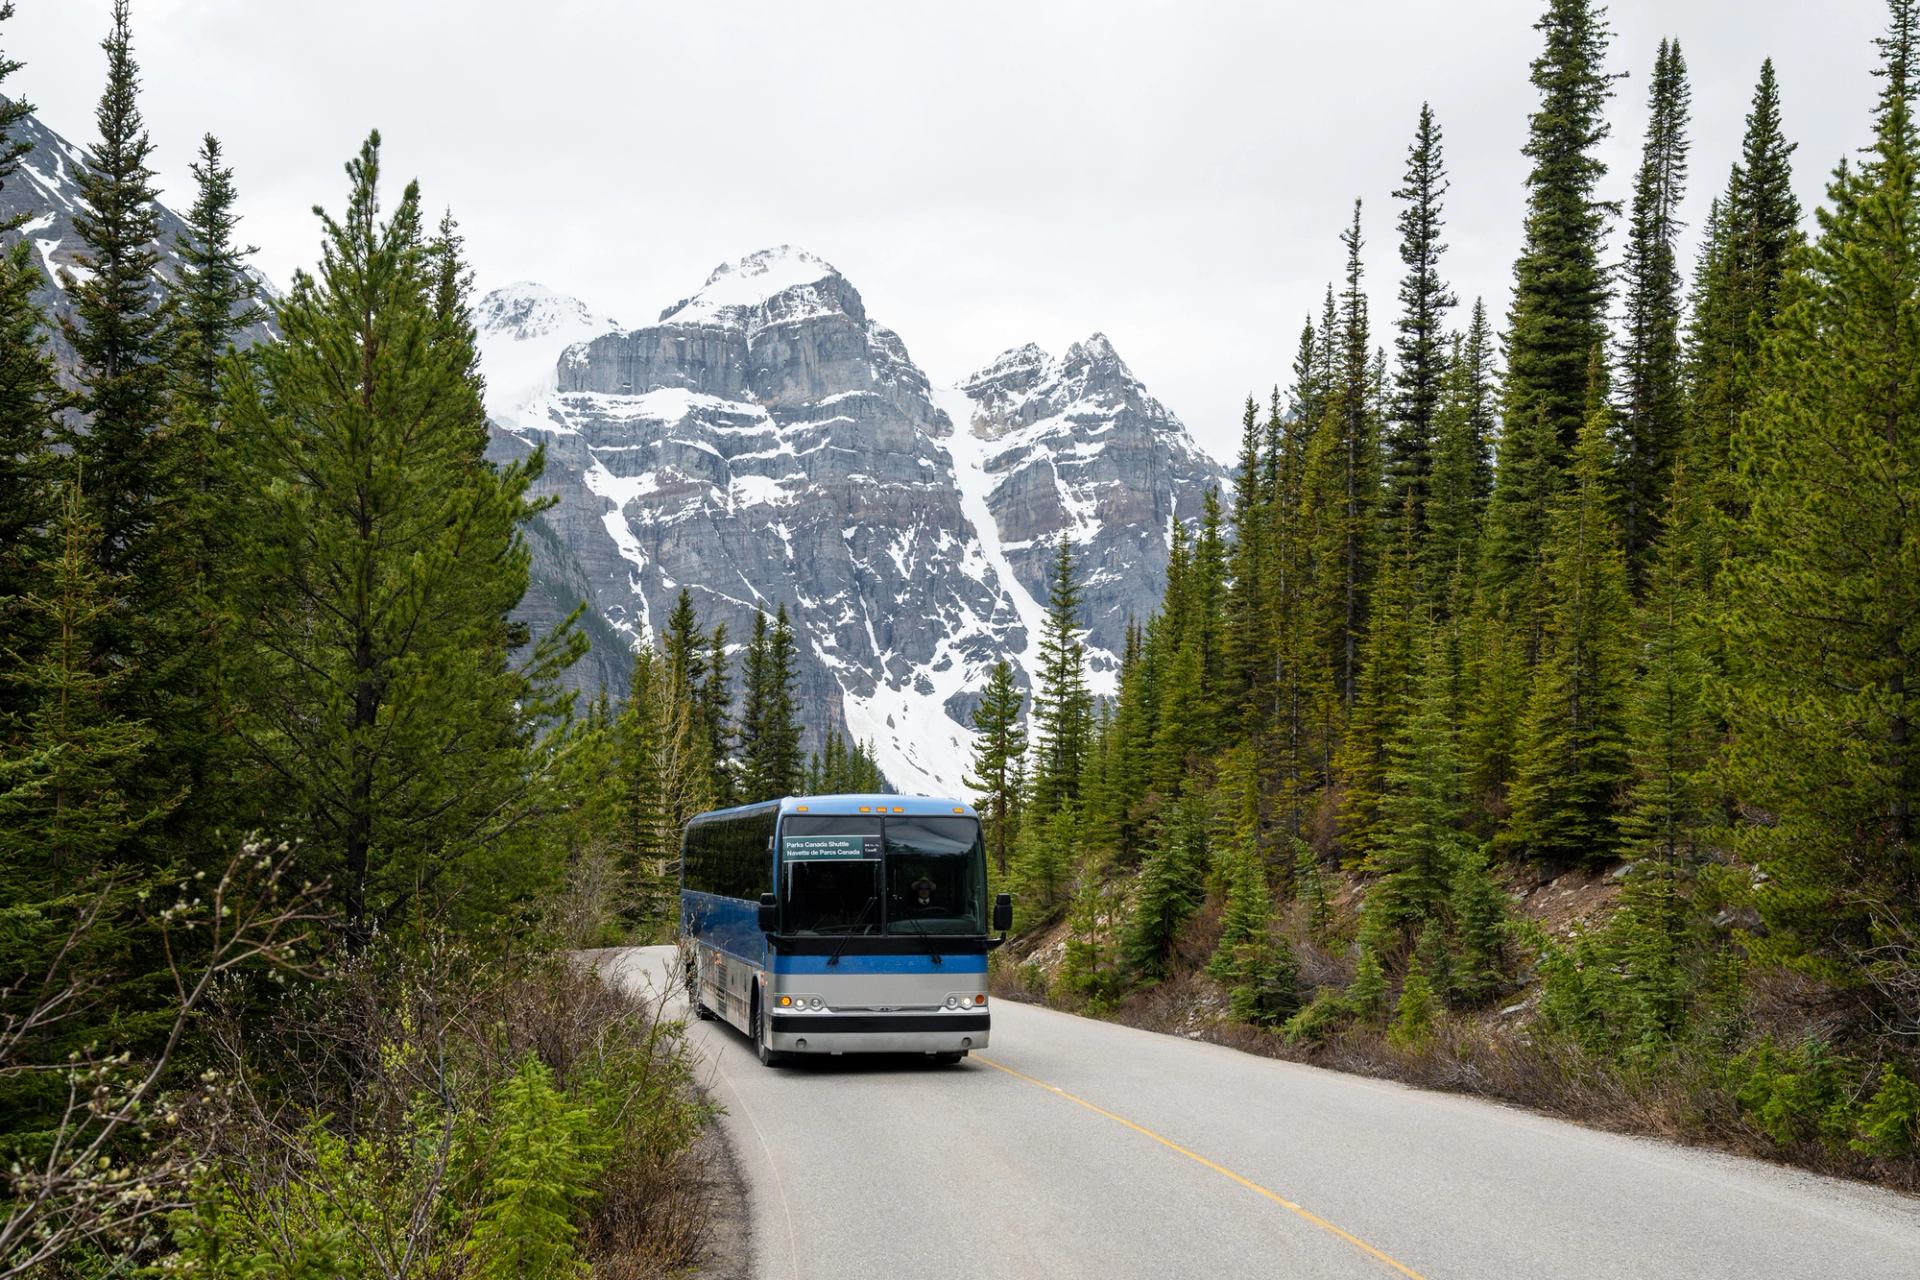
point(936, 876)
point(901, 875)
point(831, 869)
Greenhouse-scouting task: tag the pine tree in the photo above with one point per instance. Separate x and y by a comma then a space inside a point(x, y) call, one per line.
point(1422, 811)
point(1572, 763)
point(71, 789)
point(999, 742)
point(129, 457)
point(1341, 486)
point(1416, 1009)
point(646, 841)
point(1421, 346)
point(1462, 476)
point(1045, 852)
point(1170, 890)
point(382, 554)
point(1247, 667)
point(118, 331)
point(1823, 675)
point(1653, 414)
point(781, 730)
point(1480, 908)
point(213, 298)
point(1062, 707)
point(29, 399)
point(1560, 287)
point(1751, 234)
point(770, 765)
point(1387, 672)
point(713, 703)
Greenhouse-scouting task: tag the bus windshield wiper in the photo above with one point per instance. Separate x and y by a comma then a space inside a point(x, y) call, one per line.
point(926, 938)
point(847, 937)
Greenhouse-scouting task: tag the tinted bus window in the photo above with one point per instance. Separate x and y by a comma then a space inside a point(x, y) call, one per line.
point(935, 876)
point(831, 868)
point(730, 856)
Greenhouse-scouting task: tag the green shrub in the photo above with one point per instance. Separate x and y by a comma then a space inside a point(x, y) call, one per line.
point(1889, 1123)
point(1324, 1015)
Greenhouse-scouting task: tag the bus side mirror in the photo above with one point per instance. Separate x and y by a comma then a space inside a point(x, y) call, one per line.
point(1003, 911)
point(769, 913)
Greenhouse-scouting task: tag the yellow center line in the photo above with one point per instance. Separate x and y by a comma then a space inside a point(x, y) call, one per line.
point(1220, 1169)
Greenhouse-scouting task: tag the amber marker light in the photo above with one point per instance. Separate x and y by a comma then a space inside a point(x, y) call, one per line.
point(958, 809)
point(800, 808)
point(980, 999)
point(899, 809)
point(866, 808)
point(786, 1001)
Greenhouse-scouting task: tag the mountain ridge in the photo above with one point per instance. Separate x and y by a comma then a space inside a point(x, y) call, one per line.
point(766, 441)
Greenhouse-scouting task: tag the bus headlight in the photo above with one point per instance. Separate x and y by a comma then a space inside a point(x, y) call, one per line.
point(817, 1003)
point(953, 1002)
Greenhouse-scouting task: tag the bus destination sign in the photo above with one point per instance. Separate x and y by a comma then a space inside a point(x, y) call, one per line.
point(827, 848)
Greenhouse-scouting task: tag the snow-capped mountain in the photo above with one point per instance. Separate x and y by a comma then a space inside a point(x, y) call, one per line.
point(1076, 445)
point(46, 192)
point(767, 442)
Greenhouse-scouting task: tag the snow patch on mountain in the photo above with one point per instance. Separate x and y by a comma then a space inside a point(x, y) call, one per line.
point(523, 330)
point(737, 288)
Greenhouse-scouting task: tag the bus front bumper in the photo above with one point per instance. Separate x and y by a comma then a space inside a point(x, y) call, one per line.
point(879, 1032)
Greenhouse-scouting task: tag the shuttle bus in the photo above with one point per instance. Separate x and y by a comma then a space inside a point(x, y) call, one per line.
point(842, 924)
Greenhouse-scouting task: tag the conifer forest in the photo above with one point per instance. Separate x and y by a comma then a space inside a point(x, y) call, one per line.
point(1615, 593)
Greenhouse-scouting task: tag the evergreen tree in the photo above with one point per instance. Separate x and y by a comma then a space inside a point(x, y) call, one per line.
point(999, 742)
point(1750, 236)
point(1420, 818)
point(1479, 907)
point(29, 399)
point(1823, 674)
point(713, 703)
point(1045, 852)
point(780, 733)
point(213, 298)
point(646, 841)
point(128, 454)
point(1341, 487)
point(1416, 1009)
point(770, 765)
point(118, 334)
point(71, 791)
point(1386, 679)
point(1572, 760)
point(1062, 707)
point(1170, 891)
point(1560, 287)
point(1462, 475)
point(1673, 729)
point(1653, 413)
point(382, 555)
point(1421, 346)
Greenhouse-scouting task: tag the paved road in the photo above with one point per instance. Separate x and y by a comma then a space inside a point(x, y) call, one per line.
point(1075, 1148)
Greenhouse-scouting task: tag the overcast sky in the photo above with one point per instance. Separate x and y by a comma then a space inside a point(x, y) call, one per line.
point(1174, 174)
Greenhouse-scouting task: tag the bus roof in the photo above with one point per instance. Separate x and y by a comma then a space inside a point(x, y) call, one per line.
point(856, 803)
point(915, 806)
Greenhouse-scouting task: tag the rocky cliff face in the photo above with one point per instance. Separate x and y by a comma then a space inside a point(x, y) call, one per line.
point(767, 442)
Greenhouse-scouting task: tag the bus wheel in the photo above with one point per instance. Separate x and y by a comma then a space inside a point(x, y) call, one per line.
point(762, 1039)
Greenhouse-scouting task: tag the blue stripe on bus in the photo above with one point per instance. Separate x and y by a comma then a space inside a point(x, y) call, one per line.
point(731, 925)
point(880, 964)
